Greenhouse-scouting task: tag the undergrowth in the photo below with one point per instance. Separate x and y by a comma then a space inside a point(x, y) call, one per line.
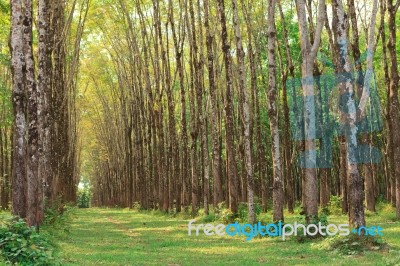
point(353, 244)
point(23, 245)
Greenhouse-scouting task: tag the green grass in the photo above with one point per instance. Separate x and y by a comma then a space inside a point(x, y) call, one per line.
point(102, 236)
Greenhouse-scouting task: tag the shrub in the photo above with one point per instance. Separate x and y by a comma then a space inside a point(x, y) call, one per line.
point(354, 244)
point(23, 245)
point(208, 218)
point(335, 205)
point(84, 194)
point(323, 215)
point(136, 206)
point(224, 214)
point(83, 198)
point(57, 220)
point(243, 210)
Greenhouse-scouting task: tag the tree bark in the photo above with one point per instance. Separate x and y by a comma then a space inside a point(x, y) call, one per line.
point(18, 67)
point(216, 162)
point(273, 116)
point(246, 114)
point(308, 53)
point(393, 98)
point(230, 151)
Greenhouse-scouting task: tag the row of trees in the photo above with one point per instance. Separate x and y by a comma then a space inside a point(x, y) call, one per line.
point(41, 167)
point(195, 109)
point(192, 103)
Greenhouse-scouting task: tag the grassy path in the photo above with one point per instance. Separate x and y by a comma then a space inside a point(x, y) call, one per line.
point(122, 237)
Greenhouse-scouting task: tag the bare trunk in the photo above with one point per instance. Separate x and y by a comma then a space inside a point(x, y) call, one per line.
point(309, 52)
point(44, 90)
point(32, 148)
point(393, 99)
point(273, 116)
point(230, 150)
point(216, 162)
point(246, 114)
point(18, 67)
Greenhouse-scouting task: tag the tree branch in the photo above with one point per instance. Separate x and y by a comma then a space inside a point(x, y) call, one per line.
point(319, 27)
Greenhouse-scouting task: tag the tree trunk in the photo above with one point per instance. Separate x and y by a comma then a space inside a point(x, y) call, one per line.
point(32, 145)
point(216, 162)
point(229, 130)
point(393, 98)
point(18, 67)
point(44, 91)
point(308, 53)
point(246, 114)
point(273, 116)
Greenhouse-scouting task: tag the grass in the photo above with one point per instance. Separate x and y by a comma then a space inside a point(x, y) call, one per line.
point(100, 236)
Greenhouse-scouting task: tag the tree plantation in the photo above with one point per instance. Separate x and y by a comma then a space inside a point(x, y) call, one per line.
point(215, 110)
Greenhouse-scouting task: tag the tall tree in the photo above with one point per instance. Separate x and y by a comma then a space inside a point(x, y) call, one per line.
point(229, 129)
point(273, 116)
point(216, 162)
point(32, 115)
point(355, 183)
point(308, 55)
point(18, 67)
point(44, 92)
point(287, 142)
point(246, 113)
point(393, 100)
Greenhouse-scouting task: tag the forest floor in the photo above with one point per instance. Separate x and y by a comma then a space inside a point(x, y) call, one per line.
point(100, 236)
